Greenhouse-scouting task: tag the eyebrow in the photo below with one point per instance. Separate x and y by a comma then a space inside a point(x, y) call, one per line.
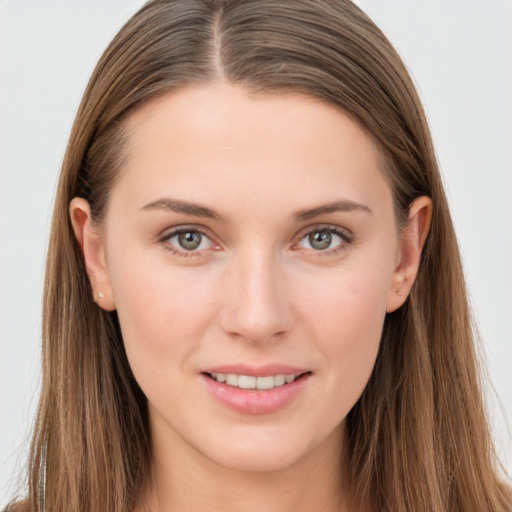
point(197, 210)
point(343, 205)
point(186, 207)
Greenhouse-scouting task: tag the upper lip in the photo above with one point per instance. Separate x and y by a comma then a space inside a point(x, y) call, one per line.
point(265, 370)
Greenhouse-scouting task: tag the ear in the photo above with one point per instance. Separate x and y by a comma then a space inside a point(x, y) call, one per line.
point(412, 241)
point(93, 250)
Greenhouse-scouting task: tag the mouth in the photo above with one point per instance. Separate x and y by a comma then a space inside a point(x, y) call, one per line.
point(256, 389)
point(256, 382)
point(256, 394)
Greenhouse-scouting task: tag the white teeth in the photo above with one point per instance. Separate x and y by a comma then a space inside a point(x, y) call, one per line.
point(266, 382)
point(280, 379)
point(252, 382)
point(231, 379)
point(246, 382)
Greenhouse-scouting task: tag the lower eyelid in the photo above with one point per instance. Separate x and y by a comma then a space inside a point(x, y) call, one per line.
point(181, 253)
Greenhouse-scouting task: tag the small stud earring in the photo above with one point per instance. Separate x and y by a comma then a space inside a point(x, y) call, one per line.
point(99, 296)
point(399, 293)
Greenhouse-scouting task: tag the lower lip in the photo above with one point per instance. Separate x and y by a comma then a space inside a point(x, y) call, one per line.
point(256, 401)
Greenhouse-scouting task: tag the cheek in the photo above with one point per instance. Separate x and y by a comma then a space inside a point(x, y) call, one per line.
point(163, 311)
point(347, 316)
point(358, 316)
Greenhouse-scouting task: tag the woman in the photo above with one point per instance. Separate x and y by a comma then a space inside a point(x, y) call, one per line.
point(253, 293)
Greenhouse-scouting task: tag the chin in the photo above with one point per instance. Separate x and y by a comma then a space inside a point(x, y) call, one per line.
point(257, 460)
point(270, 450)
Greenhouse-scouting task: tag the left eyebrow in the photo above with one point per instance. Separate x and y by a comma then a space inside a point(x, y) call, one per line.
point(344, 205)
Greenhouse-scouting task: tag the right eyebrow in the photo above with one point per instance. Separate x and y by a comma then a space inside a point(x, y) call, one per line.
point(186, 207)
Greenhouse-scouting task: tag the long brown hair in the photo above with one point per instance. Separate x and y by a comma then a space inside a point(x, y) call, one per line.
point(418, 438)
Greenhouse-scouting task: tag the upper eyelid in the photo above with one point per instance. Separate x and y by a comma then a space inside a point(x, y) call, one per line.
point(172, 231)
point(324, 227)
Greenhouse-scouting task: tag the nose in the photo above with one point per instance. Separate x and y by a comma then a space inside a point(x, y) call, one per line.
point(256, 305)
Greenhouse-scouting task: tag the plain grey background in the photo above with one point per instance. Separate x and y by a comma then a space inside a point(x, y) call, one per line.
point(460, 56)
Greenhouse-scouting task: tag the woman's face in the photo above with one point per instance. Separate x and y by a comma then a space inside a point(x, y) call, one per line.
point(250, 239)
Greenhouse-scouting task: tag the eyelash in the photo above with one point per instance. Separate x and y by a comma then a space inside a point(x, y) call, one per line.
point(346, 237)
point(165, 240)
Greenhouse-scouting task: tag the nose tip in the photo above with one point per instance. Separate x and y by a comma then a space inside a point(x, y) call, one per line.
point(257, 308)
point(254, 330)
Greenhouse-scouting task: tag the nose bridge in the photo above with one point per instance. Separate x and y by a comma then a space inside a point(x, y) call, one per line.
point(258, 307)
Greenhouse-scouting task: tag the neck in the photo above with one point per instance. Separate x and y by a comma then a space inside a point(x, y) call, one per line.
point(184, 480)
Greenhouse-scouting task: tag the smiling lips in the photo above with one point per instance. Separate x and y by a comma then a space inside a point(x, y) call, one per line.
point(256, 392)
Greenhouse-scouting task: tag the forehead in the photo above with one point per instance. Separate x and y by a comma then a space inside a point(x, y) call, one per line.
point(215, 140)
point(229, 115)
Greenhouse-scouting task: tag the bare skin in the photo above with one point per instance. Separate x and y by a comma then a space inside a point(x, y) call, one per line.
point(249, 233)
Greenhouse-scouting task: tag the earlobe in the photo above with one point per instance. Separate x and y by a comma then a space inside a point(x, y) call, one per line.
point(89, 239)
point(413, 239)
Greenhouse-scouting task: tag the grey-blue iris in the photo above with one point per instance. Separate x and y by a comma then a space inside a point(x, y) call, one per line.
point(189, 240)
point(320, 240)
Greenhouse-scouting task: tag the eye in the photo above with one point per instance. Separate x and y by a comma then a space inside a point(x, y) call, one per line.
point(187, 240)
point(325, 239)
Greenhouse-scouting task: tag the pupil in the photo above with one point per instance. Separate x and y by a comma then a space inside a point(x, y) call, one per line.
point(320, 240)
point(189, 240)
